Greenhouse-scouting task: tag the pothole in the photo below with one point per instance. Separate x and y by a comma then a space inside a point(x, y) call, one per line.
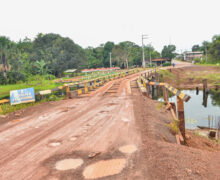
point(68, 164)
point(54, 144)
point(125, 119)
point(128, 149)
point(73, 138)
point(104, 168)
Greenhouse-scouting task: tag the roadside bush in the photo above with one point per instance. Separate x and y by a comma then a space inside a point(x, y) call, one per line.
point(152, 65)
point(14, 77)
point(49, 77)
point(166, 64)
point(2, 79)
point(197, 60)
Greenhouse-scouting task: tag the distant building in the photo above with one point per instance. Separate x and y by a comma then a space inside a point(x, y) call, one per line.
point(189, 56)
point(70, 72)
point(160, 61)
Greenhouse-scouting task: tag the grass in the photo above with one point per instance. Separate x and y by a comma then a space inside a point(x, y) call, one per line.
point(160, 105)
point(38, 85)
point(7, 108)
point(213, 77)
point(174, 126)
point(215, 65)
point(166, 74)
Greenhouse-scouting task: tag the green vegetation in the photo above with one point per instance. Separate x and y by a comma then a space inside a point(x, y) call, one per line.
point(166, 64)
point(160, 105)
point(168, 52)
point(7, 108)
point(123, 54)
point(212, 77)
point(174, 126)
point(166, 74)
point(39, 83)
point(53, 54)
point(211, 48)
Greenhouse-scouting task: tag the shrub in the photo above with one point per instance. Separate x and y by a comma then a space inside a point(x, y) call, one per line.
point(152, 65)
point(13, 77)
point(49, 77)
point(2, 79)
point(197, 60)
point(166, 64)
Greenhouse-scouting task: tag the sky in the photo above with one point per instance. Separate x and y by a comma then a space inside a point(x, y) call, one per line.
point(94, 22)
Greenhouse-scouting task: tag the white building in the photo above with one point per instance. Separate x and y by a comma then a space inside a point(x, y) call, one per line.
point(188, 55)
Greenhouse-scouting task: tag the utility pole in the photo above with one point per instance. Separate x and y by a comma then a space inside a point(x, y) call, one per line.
point(143, 58)
point(205, 53)
point(150, 54)
point(110, 55)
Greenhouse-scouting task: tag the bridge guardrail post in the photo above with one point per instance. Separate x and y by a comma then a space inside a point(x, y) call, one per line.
point(67, 92)
point(180, 111)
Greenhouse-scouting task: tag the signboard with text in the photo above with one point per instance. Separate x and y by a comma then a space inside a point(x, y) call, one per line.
point(22, 96)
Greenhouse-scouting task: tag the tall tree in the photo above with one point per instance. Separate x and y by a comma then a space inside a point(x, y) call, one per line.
point(168, 52)
point(107, 49)
point(196, 47)
point(58, 53)
point(214, 49)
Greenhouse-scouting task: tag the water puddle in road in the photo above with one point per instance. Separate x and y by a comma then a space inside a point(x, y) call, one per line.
point(67, 164)
point(104, 168)
point(128, 149)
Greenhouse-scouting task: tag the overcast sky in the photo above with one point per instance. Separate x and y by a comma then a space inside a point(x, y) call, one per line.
point(93, 22)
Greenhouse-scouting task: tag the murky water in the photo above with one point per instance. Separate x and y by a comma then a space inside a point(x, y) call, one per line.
point(201, 110)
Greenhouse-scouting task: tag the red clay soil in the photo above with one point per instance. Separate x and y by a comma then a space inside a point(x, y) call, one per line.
point(100, 123)
point(188, 77)
point(200, 142)
point(165, 160)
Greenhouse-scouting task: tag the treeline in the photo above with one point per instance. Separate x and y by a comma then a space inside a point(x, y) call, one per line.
point(51, 54)
point(212, 49)
point(46, 54)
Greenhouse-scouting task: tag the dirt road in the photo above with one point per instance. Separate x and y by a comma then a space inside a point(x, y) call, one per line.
point(100, 123)
point(111, 133)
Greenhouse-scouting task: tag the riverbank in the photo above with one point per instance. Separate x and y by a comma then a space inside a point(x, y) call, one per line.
point(191, 77)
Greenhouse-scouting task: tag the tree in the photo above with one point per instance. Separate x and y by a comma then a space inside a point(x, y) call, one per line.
point(168, 52)
point(196, 48)
point(59, 53)
point(41, 67)
point(92, 61)
point(119, 56)
point(214, 49)
point(5, 46)
point(107, 49)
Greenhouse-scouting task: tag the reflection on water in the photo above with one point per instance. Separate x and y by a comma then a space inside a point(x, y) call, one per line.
point(202, 109)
